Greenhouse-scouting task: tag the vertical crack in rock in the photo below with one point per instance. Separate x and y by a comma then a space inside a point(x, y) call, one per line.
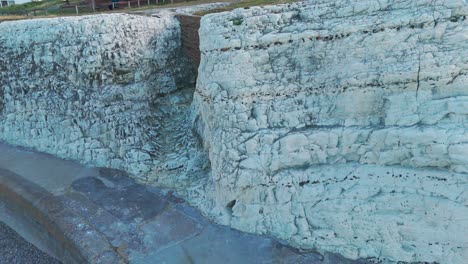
point(2, 94)
point(418, 76)
point(308, 105)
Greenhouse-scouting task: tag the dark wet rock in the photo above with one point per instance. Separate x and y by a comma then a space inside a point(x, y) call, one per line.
point(127, 203)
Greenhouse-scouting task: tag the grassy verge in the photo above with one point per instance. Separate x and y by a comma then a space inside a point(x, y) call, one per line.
point(246, 4)
point(36, 9)
point(31, 6)
point(54, 8)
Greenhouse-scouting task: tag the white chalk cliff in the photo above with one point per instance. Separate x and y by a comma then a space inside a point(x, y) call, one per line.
point(336, 125)
point(107, 90)
point(341, 125)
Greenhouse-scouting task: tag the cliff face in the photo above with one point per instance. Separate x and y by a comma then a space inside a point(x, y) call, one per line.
point(341, 125)
point(102, 90)
point(335, 125)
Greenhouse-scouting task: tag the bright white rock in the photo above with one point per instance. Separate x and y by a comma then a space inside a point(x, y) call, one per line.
point(335, 125)
point(105, 90)
point(341, 125)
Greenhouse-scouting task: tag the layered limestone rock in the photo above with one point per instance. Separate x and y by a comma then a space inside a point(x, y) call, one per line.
point(340, 125)
point(334, 125)
point(107, 90)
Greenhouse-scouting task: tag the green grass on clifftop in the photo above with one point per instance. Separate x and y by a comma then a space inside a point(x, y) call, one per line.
point(54, 8)
point(246, 4)
point(32, 6)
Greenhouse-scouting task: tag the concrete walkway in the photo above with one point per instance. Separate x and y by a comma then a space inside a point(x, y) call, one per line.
point(107, 217)
point(45, 170)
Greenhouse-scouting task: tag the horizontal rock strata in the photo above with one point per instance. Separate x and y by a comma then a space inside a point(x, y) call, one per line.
point(332, 125)
point(103, 90)
point(341, 125)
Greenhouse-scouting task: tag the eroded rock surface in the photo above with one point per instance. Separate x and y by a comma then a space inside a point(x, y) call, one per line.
point(334, 125)
point(341, 125)
point(107, 90)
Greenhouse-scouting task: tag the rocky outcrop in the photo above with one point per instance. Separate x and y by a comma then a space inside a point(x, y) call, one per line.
point(340, 125)
point(107, 90)
point(334, 125)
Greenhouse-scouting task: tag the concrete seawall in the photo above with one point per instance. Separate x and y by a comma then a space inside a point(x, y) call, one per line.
point(43, 220)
